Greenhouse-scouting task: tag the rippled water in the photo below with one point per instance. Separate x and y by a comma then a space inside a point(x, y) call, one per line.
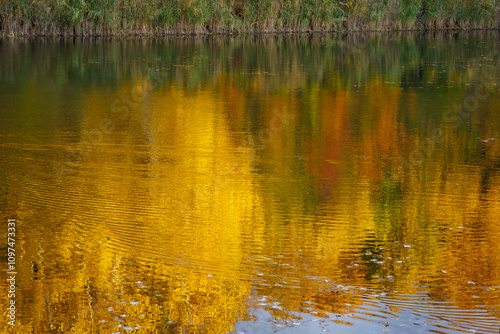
point(348, 184)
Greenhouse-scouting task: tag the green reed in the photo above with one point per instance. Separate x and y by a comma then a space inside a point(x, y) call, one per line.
point(115, 17)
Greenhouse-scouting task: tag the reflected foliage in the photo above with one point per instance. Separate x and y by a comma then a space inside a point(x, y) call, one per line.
point(177, 185)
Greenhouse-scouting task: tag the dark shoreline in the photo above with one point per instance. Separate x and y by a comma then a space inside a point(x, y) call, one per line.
point(207, 33)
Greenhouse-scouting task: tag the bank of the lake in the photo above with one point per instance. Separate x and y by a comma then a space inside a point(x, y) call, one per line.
point(181, 17)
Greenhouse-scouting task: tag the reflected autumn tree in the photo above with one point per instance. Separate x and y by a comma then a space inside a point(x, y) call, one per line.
point(258, 173)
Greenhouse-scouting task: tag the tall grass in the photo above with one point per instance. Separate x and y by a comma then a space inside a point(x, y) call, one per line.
point(115, 17)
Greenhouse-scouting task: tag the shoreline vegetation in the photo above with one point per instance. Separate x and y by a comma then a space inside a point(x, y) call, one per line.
point(206, 17)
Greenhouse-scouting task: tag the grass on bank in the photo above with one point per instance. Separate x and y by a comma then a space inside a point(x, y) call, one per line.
point(115, 17)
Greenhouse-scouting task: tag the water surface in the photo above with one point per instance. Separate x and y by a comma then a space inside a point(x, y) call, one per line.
point(301, 184)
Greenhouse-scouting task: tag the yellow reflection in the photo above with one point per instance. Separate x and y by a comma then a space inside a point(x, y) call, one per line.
point(202, 204)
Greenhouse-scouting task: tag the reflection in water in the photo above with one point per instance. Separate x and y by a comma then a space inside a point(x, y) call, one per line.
point(254, 184)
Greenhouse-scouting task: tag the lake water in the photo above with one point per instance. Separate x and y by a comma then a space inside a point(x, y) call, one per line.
point(300, 184)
